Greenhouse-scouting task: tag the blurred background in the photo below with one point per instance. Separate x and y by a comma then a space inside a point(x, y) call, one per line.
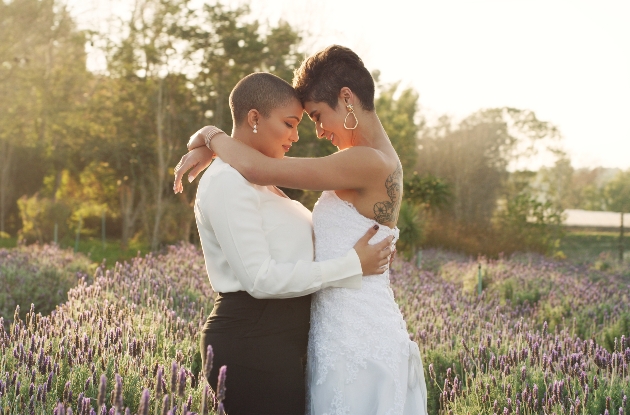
point(510, 118)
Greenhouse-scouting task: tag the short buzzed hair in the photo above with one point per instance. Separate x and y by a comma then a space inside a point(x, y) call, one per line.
point(261, 91)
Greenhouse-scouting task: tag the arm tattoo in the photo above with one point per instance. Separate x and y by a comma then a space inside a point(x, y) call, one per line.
point(388, 211)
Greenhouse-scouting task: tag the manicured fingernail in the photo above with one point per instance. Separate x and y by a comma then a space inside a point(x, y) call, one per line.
point(375, 227)
point(190, 179)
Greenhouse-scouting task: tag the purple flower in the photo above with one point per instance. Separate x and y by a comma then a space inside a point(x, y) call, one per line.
point(102, 391)
point(118, 394)
point(221, 384)
point(204, 401)
point(165, 405)
point(181, 383)
point(174, 370)
point(144, 403)
point(209, 359)
point(159, 380)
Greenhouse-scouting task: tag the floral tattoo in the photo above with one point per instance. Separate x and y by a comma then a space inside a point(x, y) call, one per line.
point(388, 211)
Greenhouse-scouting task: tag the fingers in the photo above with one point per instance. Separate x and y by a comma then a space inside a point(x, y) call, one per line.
point(182, 167)
point(197, 168)
point(179, 173)
point(385, 243)
point(391, 258)
point(368, 235)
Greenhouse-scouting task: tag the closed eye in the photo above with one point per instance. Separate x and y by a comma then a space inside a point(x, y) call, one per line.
point(289, 125)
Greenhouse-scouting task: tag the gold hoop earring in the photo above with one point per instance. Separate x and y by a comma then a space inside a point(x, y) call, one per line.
point(345, 121)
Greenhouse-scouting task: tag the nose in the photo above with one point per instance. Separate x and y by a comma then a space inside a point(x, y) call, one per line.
point(295, 136)
point(319, 130)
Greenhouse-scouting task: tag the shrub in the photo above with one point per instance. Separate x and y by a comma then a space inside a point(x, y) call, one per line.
point(136, 325)
point(39, 275)
point(502, 347)
point(411, 226)
point(39, 216)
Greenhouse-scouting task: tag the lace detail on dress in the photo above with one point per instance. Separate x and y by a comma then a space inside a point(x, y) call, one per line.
point(336, 406)
point(359, 356)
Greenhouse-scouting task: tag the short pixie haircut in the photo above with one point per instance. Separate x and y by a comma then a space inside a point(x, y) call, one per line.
point(261, 91)
point(321, 77)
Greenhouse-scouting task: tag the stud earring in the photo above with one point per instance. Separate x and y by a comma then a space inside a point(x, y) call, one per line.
point(350, 109)
point(256, 128)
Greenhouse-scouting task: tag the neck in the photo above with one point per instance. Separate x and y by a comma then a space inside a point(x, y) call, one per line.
point(370, 131)
point(244, 135)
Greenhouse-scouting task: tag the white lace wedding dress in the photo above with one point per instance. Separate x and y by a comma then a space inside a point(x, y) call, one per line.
point(360, 358)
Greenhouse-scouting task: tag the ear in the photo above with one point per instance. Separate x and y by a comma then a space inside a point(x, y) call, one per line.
point(346, 96)
point(253, 116)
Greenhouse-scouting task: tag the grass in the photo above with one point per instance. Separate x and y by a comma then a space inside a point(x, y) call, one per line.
point(93, 248)
point(112, 252)
point(8, 242)
point(578, 246)
point(587, 246)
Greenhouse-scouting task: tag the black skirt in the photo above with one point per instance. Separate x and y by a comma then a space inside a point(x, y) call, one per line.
point(263, 344)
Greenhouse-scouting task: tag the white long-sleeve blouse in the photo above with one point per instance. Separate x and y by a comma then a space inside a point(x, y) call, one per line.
point(257, 241)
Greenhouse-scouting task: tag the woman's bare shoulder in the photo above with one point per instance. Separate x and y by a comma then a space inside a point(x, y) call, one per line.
point(374, 158)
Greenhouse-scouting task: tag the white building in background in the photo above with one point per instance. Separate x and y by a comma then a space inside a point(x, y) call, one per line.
point(595, 219)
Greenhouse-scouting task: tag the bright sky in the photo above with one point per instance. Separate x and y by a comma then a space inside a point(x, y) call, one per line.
point(569, 61)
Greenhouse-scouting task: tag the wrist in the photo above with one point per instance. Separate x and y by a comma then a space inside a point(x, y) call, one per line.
point(202, 137)
point(209, 133)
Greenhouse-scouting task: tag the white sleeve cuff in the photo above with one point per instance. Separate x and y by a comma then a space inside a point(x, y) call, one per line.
point(344, 272)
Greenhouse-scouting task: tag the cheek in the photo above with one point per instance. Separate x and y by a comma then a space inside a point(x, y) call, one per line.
point(334, 123)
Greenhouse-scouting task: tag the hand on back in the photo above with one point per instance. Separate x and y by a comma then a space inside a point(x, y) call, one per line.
point(374, 258)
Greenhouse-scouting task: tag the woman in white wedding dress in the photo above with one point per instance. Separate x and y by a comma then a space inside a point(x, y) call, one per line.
point(360, 358)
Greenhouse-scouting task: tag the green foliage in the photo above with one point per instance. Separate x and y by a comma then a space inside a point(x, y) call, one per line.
point(474, 156)
point(232, 45)
point(398, 112)
point(42, 81)
point(133, 320)
point(410, 224)
point(533, 320)
point(40, 215)
point(427, 190)
point(530, 225)
point(38, 275)
point(616, 193)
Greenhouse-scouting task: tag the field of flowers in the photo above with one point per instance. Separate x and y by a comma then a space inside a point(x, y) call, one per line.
point(544, 337)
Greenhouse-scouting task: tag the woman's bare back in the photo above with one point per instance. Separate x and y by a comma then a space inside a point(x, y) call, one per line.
point(379, 200)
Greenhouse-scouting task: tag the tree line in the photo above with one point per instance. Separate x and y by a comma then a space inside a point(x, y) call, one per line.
point(78, 146)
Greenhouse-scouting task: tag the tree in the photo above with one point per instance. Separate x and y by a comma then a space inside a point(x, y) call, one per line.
point(617, 198)
point(474, 156)
point(41, 80)
point(554, 183)
point(526, 224)
point(398, 112)
point(226, 46)
point(616, 193)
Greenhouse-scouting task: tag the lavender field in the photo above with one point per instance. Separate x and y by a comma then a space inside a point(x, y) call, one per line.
point(544, 337)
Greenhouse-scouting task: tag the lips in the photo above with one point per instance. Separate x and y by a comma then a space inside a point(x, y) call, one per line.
point(286, 148)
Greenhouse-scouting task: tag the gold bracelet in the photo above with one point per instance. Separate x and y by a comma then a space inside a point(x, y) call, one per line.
point(211, 133)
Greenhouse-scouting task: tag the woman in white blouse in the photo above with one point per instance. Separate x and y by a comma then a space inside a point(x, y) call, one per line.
point(258, 248)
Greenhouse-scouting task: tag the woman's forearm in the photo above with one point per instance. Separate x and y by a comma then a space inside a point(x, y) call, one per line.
point(196, 140)
point(240, 156)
